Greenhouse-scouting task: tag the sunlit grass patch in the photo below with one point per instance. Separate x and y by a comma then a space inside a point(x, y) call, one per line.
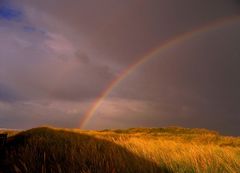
point(111, 151)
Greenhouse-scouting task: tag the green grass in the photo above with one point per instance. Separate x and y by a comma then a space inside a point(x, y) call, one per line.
point(136, 150)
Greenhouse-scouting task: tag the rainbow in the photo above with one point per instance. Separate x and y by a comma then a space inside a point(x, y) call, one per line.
point(155, 51)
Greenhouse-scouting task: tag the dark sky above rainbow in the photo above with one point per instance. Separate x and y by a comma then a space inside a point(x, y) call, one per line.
point(119, 64)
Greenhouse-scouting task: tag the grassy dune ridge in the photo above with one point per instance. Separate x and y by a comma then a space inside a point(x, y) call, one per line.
point(140, 150)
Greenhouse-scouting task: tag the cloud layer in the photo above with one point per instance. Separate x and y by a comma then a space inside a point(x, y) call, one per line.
point(56, 58)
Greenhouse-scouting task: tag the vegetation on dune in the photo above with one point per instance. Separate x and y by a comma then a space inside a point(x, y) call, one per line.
point(9, 132)
point(48, 150)
point(133, 150)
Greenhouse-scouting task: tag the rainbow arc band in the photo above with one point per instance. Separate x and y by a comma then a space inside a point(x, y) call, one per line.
point(150, 54)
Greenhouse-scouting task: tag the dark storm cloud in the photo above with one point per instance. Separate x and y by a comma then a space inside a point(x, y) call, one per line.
point(64, 53)
point(112, 26)
point(198, 81)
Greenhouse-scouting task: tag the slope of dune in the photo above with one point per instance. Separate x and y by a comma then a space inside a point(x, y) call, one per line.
point(136, 150)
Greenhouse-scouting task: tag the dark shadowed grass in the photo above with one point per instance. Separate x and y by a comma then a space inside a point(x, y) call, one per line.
point(47, 150)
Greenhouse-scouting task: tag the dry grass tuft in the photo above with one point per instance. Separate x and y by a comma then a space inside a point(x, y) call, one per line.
point(157, 150)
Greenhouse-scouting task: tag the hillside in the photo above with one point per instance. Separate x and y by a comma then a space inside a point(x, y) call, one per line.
point(136, 150)
point(10, 132)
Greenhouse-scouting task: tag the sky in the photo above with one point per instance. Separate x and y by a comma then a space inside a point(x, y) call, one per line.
point(58, 57)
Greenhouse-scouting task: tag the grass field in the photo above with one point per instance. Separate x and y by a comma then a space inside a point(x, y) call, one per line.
point(136, 150)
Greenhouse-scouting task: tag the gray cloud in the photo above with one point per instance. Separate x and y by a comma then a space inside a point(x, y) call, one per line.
point(198, 81)
point(111, 26)
point(63, 54)
point(82, 57)
point(7, 94)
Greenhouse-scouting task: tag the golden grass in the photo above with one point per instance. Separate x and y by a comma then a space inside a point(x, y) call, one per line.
point(134, 150)
point(181, 150)
point(184, 157)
